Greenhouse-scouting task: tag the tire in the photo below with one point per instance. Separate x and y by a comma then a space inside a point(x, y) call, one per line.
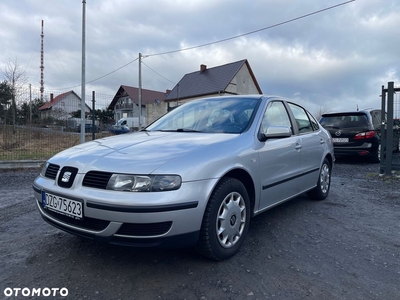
point(226, 221)
point(321, 191)
point(376, 155)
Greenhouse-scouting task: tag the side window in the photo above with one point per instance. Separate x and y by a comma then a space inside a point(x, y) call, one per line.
point(275, 115)
point(303, 122)
point(314, 123)
point(376, 119)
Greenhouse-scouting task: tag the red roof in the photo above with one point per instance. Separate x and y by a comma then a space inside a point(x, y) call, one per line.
point(57, 99)
point(148, 96)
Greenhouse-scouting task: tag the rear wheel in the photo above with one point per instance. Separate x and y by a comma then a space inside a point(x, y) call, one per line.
point(376, 155)
point(321, 191)
point(226, 220)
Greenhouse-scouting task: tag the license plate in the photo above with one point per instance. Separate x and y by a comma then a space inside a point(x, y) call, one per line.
point(68, 207)
point(340, 140)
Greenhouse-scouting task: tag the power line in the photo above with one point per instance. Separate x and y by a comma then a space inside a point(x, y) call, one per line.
point(72, 87)
point(252, 32)
point(216, 42)
point(158, 74)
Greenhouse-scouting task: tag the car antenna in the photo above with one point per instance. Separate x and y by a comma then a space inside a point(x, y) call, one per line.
point(357, 107)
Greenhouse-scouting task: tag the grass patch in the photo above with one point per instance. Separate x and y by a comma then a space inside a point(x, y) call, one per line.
point(33, 143)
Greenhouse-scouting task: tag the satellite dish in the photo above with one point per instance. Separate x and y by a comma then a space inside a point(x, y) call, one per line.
point(157, 101)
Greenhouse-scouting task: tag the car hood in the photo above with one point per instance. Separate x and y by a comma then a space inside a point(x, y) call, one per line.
point(139, 153)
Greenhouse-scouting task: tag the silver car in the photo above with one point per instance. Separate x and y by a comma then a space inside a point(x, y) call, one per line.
point(194, 177)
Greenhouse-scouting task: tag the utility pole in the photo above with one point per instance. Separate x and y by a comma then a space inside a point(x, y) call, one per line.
point(140, 91)
point(93, 114)
point(42, 64)
point(30, 104)
point(83, 105)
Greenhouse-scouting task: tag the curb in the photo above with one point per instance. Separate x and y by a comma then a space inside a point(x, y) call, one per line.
point(21, 164)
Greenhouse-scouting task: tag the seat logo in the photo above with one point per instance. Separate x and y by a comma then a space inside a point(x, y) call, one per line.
point(338, 133)
point(66, 176)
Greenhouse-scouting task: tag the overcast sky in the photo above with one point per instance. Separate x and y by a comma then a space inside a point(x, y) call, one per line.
point(333, 60)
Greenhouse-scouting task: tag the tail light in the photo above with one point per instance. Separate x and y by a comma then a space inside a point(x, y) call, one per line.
point(364, 135)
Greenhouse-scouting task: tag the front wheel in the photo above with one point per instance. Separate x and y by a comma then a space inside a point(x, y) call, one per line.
point(321, 191)
point(225, 221)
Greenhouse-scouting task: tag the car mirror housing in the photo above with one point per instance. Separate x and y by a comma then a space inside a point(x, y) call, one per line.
point(275, 132)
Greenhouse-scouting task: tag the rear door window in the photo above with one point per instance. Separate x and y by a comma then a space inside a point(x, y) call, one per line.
point(376, 118)
point(303, 122)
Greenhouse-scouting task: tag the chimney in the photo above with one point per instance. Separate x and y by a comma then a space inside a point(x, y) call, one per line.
point(51, 97)
point(203, 68)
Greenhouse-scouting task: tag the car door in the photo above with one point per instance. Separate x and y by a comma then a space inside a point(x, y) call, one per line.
point(280, 159)
point(313, 145)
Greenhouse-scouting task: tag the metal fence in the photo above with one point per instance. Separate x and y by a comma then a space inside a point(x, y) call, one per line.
point(39, 126)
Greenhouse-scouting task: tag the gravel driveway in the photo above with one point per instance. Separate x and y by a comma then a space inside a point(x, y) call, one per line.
point(346, 247)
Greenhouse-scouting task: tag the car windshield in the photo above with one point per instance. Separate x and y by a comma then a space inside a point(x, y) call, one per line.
point(344, 121)
point(212, 115)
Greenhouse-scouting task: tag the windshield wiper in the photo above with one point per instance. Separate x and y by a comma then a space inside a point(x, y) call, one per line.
point(178, 130)
point(186, 130)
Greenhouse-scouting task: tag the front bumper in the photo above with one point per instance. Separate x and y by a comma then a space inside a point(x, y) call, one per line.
point(162, 219)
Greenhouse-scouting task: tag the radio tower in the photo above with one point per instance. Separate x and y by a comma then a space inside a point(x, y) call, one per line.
point(41, 65)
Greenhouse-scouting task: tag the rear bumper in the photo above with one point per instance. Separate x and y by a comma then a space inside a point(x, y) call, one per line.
point(366, 149)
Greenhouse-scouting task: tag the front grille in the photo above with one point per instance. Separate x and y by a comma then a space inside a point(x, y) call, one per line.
point(51, 171)
point(85, 223)
point(147, 229)
point(96, 179)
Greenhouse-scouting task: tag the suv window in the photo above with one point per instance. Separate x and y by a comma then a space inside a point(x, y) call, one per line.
point(339, 121)
point(376, 119)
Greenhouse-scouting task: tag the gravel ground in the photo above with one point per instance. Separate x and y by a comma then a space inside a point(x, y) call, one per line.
point(346, 247)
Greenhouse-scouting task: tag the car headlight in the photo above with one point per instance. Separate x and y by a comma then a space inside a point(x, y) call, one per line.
point(44, 168)
point(144, 183)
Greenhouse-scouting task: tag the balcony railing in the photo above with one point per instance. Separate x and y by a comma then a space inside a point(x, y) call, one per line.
point(124, 106)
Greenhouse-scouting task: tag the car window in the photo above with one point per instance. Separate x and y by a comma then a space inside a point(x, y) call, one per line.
point(216, 115)
point(344, 121)
point(275, 115)
point(314, 122)
point(376, 118)
point(303, 122)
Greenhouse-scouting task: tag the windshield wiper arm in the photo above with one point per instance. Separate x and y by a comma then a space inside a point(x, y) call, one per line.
point(186, 130)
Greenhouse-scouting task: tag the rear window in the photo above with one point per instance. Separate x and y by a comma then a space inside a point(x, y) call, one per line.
point(344, 121)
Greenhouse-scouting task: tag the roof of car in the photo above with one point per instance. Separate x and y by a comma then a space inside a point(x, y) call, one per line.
point(355, 112)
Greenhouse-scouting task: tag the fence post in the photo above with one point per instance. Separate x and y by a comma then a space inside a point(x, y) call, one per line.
point(389, 127)
point(93, 115)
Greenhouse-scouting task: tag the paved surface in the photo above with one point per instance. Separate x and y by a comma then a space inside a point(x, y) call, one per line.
point(346, 247)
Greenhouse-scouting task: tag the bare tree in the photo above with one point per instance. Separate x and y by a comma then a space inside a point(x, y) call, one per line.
point(16, 78)
point(318, 114)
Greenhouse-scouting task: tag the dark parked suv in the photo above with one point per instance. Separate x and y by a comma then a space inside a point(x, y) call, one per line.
point(356, 133)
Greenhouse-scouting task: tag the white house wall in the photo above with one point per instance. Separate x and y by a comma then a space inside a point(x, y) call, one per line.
point(242, 83)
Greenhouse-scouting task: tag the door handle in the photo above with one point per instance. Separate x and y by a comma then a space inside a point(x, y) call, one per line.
point(298, 146)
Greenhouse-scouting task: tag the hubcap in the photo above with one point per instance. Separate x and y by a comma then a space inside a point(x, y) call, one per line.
point(325, 178)
point(231, 220)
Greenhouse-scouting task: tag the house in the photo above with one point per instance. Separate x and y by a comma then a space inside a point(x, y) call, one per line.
point(61, 107)
point(125, 104)
point(235, 78)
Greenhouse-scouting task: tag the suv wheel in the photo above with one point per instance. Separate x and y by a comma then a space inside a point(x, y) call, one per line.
point(376, 155)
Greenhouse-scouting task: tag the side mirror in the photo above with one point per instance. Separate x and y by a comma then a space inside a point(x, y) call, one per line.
point(275, 132)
